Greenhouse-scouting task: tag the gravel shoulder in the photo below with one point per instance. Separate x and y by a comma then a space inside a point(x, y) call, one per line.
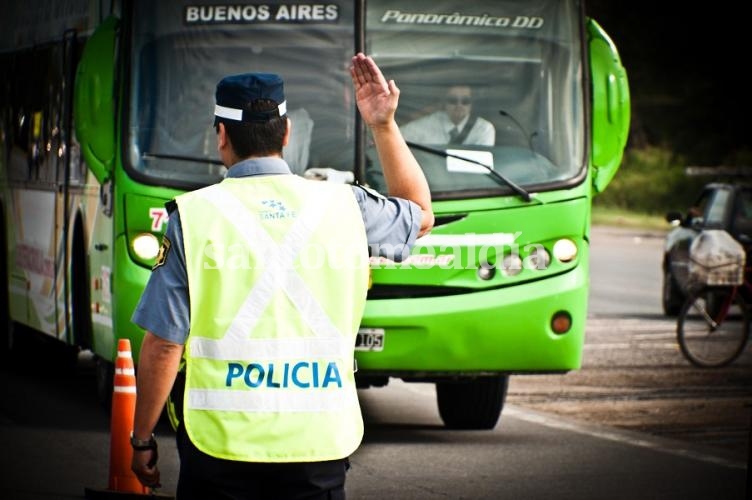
point(641, 382)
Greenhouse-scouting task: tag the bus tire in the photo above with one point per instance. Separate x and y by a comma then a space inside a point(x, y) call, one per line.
point(104, 374)
point(472, 404)
point(6, 323)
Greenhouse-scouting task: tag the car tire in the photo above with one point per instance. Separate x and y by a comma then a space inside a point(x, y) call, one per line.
point(673, 298)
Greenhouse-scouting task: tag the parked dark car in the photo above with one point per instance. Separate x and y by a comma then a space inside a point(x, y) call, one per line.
point(720, 206)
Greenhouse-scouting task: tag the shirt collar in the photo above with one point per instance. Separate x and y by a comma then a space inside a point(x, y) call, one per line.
point(460, 125)
point(259, 166)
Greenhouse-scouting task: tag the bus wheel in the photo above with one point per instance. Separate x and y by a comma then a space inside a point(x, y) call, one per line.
point(472, 404)
point(104, 375)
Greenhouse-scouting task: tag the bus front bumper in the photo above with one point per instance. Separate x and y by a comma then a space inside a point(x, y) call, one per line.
point(504, 330)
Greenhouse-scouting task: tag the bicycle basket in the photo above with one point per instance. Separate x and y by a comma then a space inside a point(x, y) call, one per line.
point(716, 259)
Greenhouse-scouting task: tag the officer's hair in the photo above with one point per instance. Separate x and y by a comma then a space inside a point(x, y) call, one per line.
point(257, 139)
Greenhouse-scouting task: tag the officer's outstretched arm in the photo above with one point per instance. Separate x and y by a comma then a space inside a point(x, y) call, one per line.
point(377, 101)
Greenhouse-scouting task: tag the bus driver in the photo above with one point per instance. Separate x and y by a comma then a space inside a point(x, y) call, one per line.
point(455, 124)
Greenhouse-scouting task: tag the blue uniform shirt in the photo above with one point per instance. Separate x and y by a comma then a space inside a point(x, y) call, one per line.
point(392, 226)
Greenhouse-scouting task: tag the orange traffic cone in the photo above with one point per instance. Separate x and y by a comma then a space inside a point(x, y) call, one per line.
point(122, 477)
point(123, 482)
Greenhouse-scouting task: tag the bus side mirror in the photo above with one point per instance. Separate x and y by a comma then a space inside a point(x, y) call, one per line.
point(94, 100)
point(610, 106)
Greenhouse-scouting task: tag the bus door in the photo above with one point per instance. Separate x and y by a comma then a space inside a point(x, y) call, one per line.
point(71, 183)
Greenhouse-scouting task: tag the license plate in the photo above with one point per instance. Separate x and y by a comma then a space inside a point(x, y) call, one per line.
point(370, 339)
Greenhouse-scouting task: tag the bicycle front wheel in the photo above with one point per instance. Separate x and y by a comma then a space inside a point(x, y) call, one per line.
point(712, 327)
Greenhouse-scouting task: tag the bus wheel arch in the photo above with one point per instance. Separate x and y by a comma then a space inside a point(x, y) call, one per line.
point(80, 295)
point(472, 404)
point(83, 331)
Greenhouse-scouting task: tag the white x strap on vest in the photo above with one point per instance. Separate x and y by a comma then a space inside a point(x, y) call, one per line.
point(236, 344)
point(279, 272)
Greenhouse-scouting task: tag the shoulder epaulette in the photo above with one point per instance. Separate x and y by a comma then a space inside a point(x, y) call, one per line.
point(370, 192)
point(171, 206)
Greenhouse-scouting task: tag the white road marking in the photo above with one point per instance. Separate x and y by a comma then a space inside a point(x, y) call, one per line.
point(621, 436)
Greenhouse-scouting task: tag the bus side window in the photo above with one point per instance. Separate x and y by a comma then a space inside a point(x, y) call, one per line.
point(37, 103)
point(18, 167)
point(46, 122)
point(77, 166)
point(5, 111)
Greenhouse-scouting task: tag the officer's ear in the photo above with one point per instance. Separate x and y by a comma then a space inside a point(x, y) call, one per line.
point(286, 138)
point(224, 146)
point(221, 136)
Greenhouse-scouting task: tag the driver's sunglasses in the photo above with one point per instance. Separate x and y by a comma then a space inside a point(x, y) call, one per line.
point(465, 101)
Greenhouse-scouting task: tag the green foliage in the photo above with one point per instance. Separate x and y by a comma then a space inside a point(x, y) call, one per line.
point(651, 180)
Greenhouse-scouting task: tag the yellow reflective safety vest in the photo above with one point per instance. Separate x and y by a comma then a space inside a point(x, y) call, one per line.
point(277, 274)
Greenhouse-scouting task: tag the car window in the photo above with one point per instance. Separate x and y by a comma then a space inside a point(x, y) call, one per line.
point(716, 208)
point(742, 220)
point(696, 212)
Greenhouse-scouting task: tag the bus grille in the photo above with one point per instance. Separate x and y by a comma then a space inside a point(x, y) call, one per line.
point(378, 292)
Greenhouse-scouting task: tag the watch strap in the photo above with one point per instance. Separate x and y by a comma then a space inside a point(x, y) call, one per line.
point(143, 444)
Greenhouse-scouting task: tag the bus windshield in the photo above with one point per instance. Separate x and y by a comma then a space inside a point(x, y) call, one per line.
point(495, 81)
point(498, 82)
point(179, 53)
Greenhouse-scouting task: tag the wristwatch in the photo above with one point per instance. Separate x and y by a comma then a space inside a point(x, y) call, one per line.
point(143, 444)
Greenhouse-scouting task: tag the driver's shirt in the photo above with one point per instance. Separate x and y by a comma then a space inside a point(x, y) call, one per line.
point(392, 225)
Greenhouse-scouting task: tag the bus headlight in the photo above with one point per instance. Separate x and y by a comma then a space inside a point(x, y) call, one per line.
point(539, 258)
point(146, 246)
point(511, 265)
point(486, 271)
point(565, 250)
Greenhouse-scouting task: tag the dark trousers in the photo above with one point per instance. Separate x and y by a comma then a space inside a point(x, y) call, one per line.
point(204, 477)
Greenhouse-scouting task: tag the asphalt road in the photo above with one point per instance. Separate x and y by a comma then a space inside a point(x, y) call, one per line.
point(625, 273)
point(56, 443)
point(559, 437)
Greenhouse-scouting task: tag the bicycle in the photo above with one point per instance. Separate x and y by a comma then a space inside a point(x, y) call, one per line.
point(713, 325)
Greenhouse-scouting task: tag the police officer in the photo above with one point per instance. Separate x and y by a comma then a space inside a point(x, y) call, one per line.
point(259, 287)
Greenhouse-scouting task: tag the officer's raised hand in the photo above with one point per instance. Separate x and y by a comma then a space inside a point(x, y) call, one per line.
point(377, 99)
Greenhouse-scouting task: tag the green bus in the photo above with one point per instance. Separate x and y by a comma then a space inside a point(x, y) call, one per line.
point(107, 114)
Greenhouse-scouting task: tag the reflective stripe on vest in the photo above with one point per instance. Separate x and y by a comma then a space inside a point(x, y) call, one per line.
point(210, 399)
point(269, 358)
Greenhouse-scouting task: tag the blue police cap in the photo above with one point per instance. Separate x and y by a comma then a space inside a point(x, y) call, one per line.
point(236, 92)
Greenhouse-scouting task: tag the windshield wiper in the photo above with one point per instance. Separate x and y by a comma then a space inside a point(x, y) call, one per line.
point(181, 158)
point(496, 175)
